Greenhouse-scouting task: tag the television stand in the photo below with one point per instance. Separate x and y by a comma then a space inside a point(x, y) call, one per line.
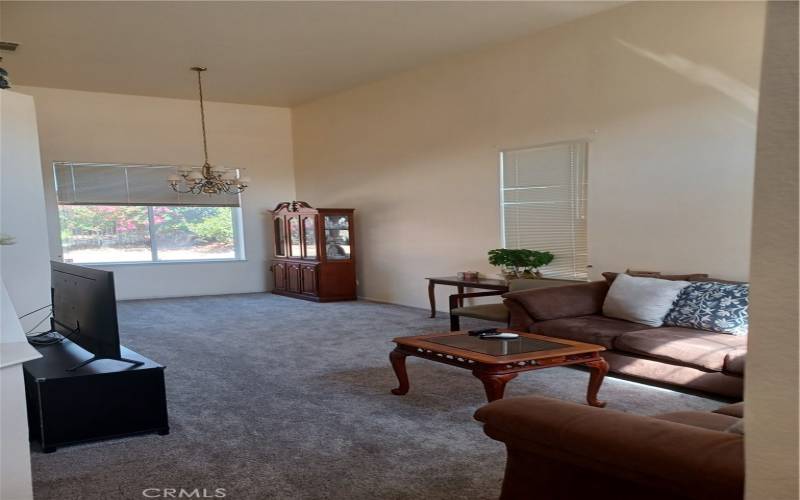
point(104, 400)
point(96, 358)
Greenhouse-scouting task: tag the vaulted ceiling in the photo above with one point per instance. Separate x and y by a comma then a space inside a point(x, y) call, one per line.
point(270, 53)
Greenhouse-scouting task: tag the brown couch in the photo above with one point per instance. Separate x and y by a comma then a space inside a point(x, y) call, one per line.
point(563, 451)
point(695, 359)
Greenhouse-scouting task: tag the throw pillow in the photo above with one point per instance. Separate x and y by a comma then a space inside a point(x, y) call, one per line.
point(641, 300)
point(609, 276)
point(717, 280)
point(712, 306)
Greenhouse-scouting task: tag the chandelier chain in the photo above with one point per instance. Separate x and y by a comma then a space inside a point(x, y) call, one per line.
point(208, 180)
point(202, 115)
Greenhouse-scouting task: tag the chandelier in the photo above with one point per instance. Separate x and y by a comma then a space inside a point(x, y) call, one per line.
point(207, 179)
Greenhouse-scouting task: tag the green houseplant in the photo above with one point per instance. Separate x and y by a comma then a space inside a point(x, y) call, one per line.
point(520, 262)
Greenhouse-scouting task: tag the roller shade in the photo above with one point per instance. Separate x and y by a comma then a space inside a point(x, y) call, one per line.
point(544, 205)
point(115, 184)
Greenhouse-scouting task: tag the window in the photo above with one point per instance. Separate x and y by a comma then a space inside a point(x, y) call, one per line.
point(543, 197)
point(128, 213)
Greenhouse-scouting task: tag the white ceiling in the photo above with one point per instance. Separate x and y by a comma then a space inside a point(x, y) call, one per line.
point(271, 53)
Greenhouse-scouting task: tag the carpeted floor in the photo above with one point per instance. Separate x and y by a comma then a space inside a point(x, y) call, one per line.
point(270, 397)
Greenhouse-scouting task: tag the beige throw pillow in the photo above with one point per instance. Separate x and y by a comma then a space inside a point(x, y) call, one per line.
point(641, 300)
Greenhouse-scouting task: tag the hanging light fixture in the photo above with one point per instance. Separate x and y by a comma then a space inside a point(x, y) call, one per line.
point(207, 179)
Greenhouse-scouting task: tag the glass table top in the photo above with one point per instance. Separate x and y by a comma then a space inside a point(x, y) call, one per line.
point(494, 347)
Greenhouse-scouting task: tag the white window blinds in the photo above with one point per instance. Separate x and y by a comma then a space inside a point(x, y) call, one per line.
point(543, 197)
point(115, 184)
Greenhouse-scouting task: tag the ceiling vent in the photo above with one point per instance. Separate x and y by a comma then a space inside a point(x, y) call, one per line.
point(10, 46)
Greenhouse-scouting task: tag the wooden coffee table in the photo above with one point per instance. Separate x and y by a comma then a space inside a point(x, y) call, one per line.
point(495, 362)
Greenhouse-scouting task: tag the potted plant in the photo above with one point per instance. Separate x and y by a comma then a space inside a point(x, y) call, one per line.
point(510, 260)
point(535, 260)
point(519, 262)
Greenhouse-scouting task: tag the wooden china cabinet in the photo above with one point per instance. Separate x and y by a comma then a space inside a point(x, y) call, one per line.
point(314, 255)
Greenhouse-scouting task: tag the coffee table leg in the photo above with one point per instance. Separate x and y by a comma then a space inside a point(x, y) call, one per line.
point(398, 359)
point(432, 297)
point(598, 368)
point(494, 384)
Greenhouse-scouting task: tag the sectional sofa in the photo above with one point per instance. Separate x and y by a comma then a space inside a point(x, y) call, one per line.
point(560, 451)
point(695, 359)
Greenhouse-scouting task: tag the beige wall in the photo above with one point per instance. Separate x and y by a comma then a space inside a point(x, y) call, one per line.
point(772, 384)
point(665, 92)
point(97, 127)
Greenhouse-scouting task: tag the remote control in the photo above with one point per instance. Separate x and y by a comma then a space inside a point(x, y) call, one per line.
point(500, 336)
point(483, 331)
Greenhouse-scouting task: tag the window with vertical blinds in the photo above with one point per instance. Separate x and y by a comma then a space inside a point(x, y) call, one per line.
point(543, 196)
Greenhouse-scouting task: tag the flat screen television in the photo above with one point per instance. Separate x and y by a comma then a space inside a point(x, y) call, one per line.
point(85, 310)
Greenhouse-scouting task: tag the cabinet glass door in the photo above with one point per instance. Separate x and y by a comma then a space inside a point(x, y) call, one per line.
point(337, 237)
point(310, 236)
point(294, 237)
point(280, 237)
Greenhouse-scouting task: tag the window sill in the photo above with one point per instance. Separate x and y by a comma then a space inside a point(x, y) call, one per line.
point(157, 263)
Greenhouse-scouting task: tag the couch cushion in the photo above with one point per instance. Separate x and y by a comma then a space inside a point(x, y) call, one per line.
point(717, 280)
point(657, 274)
point(716, 307)
point(594, 329)
point(704, 419)
point(734, 361)
point(664, 372)
point(697, 348)
point(561, 301)
point(641, 300)
point(489, 312)
point(734, 410)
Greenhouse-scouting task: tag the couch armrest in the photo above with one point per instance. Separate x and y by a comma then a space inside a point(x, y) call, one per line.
point(518, 317)
point(691, 461)
point(459, 297)
point(561, 301)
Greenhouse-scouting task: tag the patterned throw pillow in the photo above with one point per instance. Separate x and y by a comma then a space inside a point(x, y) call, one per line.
point(712, 306)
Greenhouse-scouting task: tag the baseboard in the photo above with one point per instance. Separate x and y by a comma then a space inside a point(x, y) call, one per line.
point(426, 311)
point(211, 294)
point(381, 301)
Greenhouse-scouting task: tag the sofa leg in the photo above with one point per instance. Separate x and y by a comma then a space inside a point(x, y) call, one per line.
point(455, 324)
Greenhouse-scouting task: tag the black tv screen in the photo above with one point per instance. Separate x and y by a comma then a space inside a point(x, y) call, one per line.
point(85, 308)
